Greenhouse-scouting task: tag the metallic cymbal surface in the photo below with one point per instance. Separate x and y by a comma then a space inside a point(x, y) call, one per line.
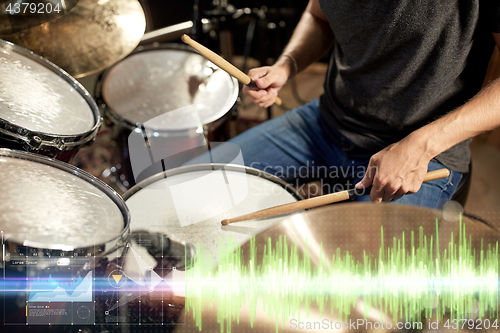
point(356, 227)
point(353, 227)
point(92, 36)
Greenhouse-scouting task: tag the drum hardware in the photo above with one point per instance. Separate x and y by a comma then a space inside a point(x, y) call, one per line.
point(223, 64)
point(321, 200)
point(198, 8)
point(167, 34)
point(58, 128)
point(89, 38)
point(33, 142)
point(226, 17)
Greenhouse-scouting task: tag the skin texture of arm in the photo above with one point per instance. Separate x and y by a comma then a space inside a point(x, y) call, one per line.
point(401, 167)
point(310, 40)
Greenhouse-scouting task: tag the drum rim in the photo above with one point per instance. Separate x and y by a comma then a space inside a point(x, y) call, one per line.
point(211, 166)
point(116, 118)
point(110, 192)
point(38, 140)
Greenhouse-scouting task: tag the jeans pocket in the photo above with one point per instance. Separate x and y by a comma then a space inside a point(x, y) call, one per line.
point(444, 183)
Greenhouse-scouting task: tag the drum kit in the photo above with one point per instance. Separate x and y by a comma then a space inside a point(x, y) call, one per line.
point(58, 221)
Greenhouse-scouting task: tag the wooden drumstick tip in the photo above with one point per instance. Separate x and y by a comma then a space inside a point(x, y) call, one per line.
point(185, 38)
point(225, 222)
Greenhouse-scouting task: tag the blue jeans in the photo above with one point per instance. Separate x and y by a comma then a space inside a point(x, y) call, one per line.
point(298, 147)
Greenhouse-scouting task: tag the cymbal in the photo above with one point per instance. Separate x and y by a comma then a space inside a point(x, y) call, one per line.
point(90, 37)
point(352, 227)
point(356, 227)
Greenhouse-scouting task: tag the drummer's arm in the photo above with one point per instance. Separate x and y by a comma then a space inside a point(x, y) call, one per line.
point(310, 40)
point(400, 168)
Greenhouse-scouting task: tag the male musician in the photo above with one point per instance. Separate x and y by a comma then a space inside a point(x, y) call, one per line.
point(401, 95)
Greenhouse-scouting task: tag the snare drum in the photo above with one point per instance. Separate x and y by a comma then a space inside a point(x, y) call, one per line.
point(189, 203)
point(43, 109)
point(155, 82)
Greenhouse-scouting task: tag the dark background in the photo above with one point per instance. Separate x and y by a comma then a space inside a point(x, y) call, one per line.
point(274, 22)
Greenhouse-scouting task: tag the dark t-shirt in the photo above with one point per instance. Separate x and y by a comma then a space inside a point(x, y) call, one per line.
point(398, 65)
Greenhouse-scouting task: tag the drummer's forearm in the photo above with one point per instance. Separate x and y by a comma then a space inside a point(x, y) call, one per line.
point(482, 113)
point(311, 39)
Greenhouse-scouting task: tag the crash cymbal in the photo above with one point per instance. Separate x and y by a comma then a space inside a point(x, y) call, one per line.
point(356, 227)
point(331, 231)
point(90, 37)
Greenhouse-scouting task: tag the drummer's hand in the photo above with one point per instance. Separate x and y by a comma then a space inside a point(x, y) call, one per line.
point(396, 170)
point(270, 80)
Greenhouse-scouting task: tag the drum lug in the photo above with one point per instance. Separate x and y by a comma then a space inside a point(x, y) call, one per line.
point(58, 143)
point(35, 142)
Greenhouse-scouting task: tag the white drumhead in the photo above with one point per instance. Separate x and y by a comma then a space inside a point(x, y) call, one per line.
point(44, 206)
point(36, 98)
point(189, 206)
point(153, 83)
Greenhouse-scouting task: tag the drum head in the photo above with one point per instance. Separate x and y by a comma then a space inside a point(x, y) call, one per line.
point(155, 82)
point(38, 96)
point(51, 205)
point(188, 203)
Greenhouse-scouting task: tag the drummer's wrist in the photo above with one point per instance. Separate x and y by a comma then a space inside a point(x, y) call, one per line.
point(426, 140)
point(288, 62)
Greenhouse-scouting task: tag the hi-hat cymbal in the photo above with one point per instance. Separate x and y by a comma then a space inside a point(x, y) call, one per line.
point(90, 37)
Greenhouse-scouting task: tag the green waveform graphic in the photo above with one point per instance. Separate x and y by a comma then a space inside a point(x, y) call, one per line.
point(403, 284)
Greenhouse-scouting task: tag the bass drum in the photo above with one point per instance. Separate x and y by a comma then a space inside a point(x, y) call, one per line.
point(171, 95)
point(42, 109)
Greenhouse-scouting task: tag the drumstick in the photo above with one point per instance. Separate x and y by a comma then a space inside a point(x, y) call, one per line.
point(319, 201)
point(223, 64)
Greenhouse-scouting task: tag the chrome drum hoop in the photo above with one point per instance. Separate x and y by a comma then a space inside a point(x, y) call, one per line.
point(36, 140)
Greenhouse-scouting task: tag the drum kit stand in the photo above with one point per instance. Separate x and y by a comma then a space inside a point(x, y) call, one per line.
point(146, 88)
